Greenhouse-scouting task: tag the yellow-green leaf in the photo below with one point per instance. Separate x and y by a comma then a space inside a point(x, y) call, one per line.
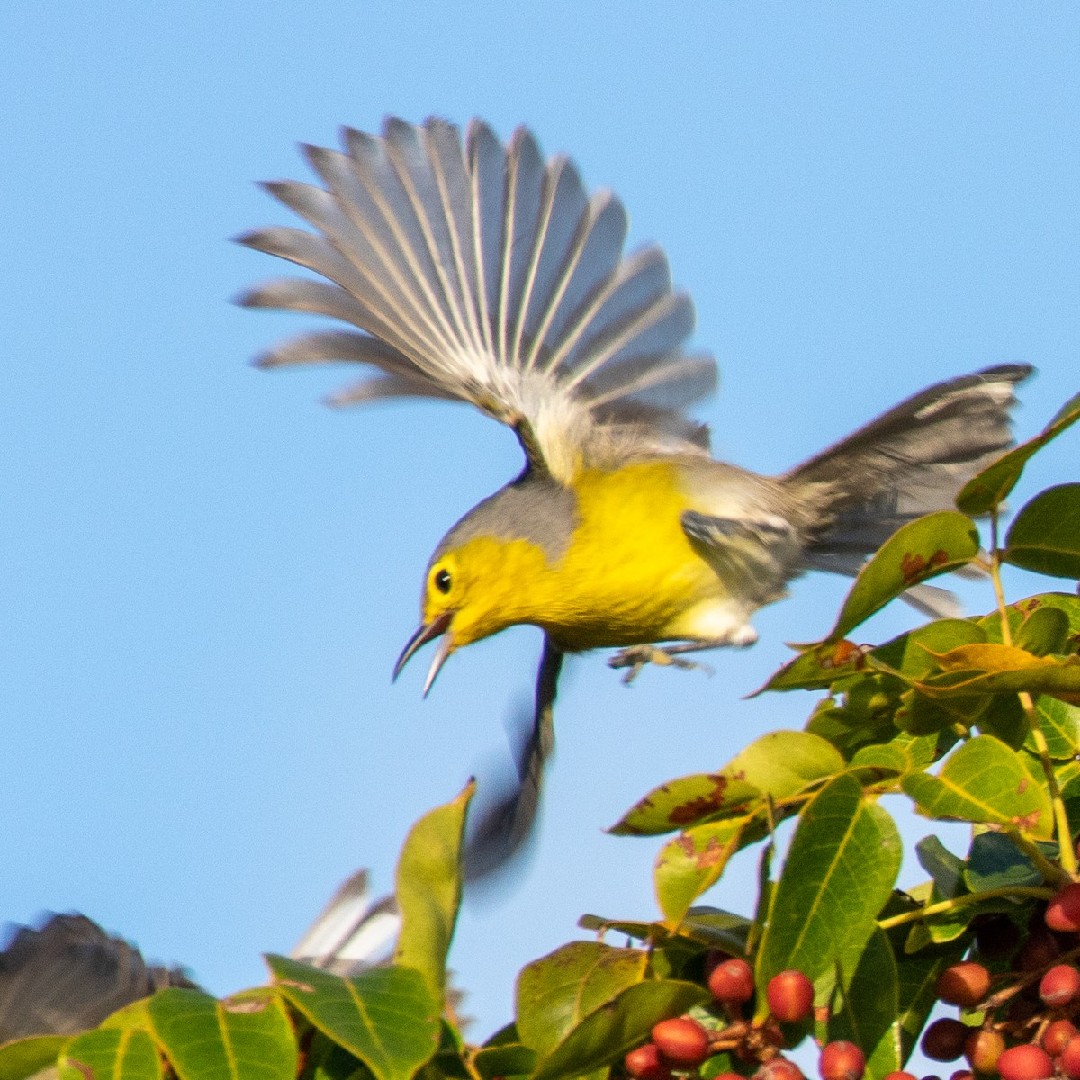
point(428, 890)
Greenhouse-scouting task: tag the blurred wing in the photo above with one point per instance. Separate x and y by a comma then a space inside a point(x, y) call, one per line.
point(478, 272)
point(353, 932)
point(68, 975)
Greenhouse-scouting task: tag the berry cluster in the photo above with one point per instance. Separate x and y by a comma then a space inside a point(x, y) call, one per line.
point(683, 1043)
point(1023, 1019)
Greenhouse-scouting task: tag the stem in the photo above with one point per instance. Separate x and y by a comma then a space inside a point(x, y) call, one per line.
point(1049, 870)
point(1066, 850)
point(943, 907)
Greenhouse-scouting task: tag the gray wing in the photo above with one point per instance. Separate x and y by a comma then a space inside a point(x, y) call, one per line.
point(68, 975)
point(754, 557)
point(479, 272)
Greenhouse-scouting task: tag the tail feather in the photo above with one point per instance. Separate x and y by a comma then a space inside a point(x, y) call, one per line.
point(910, 461)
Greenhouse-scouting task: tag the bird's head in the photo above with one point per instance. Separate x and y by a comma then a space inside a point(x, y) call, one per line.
point(474, 590)
point(494, 569)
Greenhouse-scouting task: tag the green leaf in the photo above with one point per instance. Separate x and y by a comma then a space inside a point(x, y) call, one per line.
point(117, 1054)
point(25, 1057)
point(1044, 631)
point(245, 1037)
point(326, 1060)
point(1045, 535)
point(1060, 725)
point(869, 1008)
point(428, 891)
point(917, 551)
point(916, 984)
point(504, 1054)
point(919, 715)
point(1005, 719)
point(387, 1017)
point(882, 759)
point(1069, 603)
point(608, 1033)
point(911, 656)
point(779, 764)
point(817, 667)
point(694, 861)
point(989, 488)
point(983, 781)
point(838, 874)
point(556, 992)
point(945, 868)
point(504, 1061)
point(718, 929)
point(995, 862)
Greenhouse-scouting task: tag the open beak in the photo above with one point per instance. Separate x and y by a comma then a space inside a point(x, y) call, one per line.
point(426, 632)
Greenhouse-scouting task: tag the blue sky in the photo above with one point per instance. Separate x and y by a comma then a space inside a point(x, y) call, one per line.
point(208, 575)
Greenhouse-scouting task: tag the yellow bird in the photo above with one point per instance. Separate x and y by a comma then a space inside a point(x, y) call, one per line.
point(478, 272)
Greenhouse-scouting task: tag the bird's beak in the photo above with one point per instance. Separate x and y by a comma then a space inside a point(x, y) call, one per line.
point(426, 632)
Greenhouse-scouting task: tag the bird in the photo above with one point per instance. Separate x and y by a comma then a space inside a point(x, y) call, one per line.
point(68, 974)
point(469, 270)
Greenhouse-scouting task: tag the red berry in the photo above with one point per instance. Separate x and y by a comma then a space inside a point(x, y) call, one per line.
point(779, 1068)
point(1069, 1059)
point(899, 1074)
point(791, 996)
point(963, 984)
point(944, 1039)
point(982, 1048)
point(1063, 911)
point(732, 982)
point(841, 1060)
point(645, 1063)
point(681, 1041)
point(1057, 1036)
point(1027, 1062)
point(1059, 985)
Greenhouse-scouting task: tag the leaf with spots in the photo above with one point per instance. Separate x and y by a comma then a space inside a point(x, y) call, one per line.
point(778, 765)
point(387, 1017)
point(917, 551)
point(694, 861)
point(983, 781)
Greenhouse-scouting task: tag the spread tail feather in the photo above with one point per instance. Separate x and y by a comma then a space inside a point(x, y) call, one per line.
point(910, 461)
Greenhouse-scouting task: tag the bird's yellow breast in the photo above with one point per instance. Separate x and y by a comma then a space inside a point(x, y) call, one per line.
point(627, 575)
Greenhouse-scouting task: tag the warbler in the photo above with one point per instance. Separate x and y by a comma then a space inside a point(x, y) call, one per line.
point(479, 272)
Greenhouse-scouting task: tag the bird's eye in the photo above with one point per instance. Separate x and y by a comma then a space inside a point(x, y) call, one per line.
point(442, 581)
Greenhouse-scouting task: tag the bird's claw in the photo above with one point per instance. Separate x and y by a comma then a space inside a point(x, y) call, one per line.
point(637, 657)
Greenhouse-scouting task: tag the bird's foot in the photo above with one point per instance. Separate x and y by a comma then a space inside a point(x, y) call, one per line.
point(636, 657)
